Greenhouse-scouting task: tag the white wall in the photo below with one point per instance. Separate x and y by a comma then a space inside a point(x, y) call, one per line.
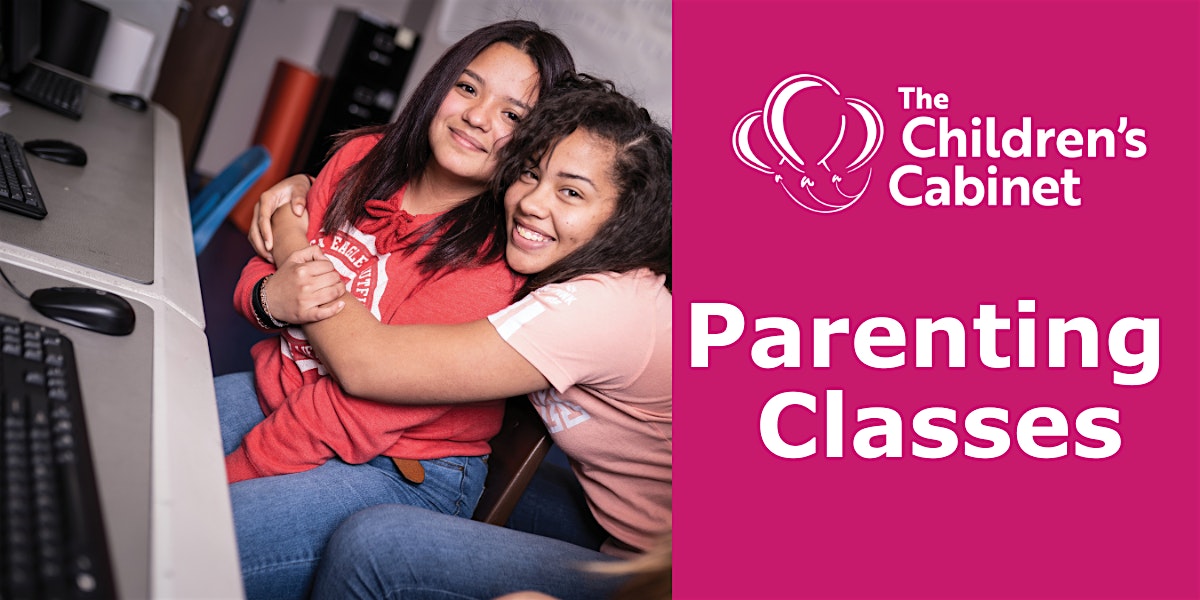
point(628, 41)
point(292, 30)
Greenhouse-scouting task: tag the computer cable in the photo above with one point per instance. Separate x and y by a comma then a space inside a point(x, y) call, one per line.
point(11, 286)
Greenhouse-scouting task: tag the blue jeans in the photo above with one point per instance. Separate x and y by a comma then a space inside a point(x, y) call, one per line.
point(411, 553)
point(284, 522)
point(402, 552)
point(554, 506)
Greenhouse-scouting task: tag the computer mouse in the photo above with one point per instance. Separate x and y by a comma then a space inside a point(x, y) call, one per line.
point(89, 308)
point(130, 101)
point(60, 151)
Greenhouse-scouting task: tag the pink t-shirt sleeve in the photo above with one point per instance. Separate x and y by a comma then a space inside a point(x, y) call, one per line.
point(586, 331)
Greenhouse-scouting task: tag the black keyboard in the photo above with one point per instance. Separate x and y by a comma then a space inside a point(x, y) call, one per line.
point(18, 191)
point(51, 90)
point(53, 537)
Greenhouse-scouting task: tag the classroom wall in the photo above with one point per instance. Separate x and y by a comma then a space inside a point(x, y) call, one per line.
point(292, 30)
point(628, 41)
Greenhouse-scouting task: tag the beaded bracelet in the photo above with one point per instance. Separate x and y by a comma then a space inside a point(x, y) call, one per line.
point(258, 301)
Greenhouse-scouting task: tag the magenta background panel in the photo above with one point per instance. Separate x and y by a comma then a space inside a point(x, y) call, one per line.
point(749, 524)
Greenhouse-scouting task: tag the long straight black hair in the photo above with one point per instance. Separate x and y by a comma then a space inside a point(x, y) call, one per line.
point(638, 234)
point(401, 155)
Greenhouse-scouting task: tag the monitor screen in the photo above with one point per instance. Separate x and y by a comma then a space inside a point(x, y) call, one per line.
point(20, 34)
point(72, 33)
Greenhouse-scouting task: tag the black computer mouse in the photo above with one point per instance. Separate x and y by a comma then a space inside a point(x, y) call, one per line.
point(60, 151)
point(130, 101)
point(89, 308)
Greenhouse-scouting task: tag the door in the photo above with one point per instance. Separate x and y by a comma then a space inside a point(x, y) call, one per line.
point(194, 64)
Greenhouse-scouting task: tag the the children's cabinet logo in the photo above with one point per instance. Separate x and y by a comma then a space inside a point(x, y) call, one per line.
point(814, 142)
point(816, 145)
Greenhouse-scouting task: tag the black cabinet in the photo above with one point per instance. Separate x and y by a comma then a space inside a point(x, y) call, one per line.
point(363, 64)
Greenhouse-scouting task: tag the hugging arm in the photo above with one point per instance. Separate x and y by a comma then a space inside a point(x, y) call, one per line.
point(408, 364)
point(300, 291)
point(296, 292)
point(292, 192)
point(305, 288)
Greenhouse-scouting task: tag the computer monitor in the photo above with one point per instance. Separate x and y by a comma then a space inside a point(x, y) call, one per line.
point(20, 35)
point(72, 33)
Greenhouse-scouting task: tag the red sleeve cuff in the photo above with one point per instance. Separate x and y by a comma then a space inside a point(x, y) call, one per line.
point(254, 270)
point(238, 466)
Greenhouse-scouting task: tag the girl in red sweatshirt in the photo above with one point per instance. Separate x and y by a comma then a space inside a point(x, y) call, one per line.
point(404, 214)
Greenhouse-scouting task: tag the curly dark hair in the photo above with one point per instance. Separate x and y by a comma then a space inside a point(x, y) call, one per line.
point(401, 155)
point(638, 234)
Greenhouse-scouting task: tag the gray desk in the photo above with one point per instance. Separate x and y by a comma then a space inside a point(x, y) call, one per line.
point(121, 224)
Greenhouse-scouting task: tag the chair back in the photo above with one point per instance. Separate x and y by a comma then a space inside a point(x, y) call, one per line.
point(214, 202)
point(517, 451)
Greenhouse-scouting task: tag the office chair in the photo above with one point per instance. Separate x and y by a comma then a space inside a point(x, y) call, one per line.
point(516, 453)
point(214, 202)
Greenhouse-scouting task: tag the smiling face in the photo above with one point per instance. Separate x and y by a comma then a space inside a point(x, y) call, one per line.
point(477, 117)
point(559, 204)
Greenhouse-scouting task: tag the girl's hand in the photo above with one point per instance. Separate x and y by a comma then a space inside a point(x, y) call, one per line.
point(292, 191)
point(305, 288)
